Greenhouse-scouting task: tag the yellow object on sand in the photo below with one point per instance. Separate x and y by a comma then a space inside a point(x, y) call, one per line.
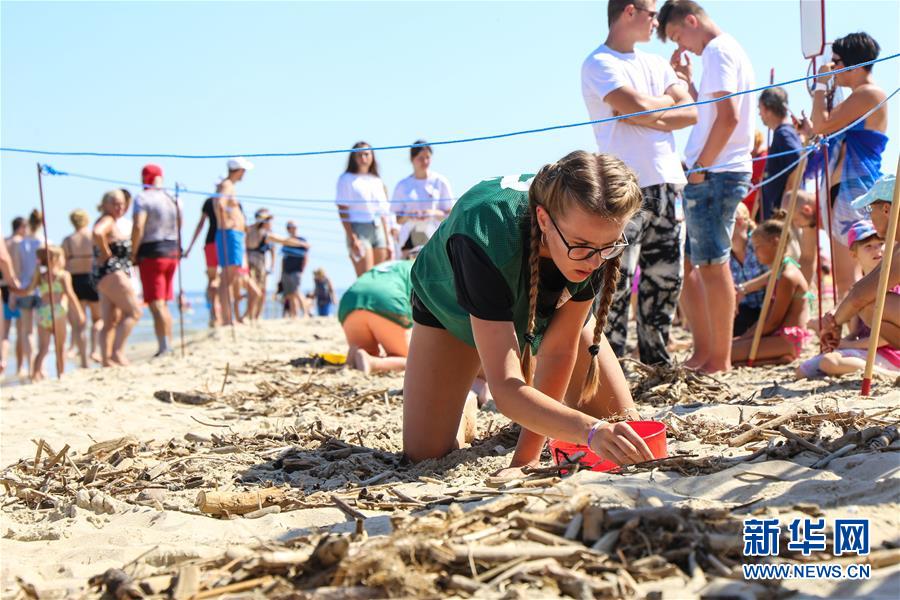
point(334, 359)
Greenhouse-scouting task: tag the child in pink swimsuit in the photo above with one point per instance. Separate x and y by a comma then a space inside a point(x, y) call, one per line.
point(850, 356)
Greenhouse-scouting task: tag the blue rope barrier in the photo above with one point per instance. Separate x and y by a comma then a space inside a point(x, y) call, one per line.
point(446, 142)
point(292, 202)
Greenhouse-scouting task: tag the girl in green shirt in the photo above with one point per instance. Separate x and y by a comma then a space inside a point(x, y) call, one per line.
point(515, 270)
point(376, 317)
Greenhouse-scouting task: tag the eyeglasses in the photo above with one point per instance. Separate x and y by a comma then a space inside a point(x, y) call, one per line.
point(651, 13)
point(586, 252)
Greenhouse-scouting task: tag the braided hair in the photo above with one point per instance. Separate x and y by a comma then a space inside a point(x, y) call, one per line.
point(600, 184)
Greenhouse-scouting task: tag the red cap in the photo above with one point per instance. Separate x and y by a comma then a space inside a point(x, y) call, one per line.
point(149, 173)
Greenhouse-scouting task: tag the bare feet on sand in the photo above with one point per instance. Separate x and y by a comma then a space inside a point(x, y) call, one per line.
point(360, 360)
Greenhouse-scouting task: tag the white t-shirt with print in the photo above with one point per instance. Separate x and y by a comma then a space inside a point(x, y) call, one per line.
point(364, 195)
point(726, 68)
point(650, 153)
point(412, 194)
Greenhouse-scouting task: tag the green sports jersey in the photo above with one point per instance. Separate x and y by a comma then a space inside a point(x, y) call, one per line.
point(492, 214)
point(384, 290)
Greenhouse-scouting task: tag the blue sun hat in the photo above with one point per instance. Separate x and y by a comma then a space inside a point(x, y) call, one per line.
point(882, 191)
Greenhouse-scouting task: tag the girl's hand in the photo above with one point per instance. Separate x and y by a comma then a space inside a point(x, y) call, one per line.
point(621, 444)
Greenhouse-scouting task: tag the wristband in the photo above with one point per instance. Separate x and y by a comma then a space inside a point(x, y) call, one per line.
point(741, 288)
point(600, 423)
point(820, 87)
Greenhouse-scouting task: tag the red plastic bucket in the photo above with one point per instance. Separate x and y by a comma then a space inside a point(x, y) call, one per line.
point(653, 433)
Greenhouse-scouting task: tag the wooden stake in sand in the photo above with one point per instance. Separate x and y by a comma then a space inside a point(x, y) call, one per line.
point(178, 266)
point(776, 264)
point(59, 358)
point(881, 295)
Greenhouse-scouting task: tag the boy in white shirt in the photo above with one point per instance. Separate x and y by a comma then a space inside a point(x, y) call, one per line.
point(616, 78)
point(718, 154)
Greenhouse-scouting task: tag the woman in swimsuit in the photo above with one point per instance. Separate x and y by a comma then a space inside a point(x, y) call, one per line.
point(784, 331)
point(78, 249)
point(854, 156)
point(52, 312)
point(112, 276)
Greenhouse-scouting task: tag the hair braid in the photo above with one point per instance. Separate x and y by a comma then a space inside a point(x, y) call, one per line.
point(610, 279)
point(533, 282)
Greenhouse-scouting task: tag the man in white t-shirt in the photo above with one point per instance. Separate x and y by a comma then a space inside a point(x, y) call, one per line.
point(719, 165)
point(616, 78)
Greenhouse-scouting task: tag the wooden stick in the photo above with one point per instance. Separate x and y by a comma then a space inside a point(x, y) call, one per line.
point(347, 509)
point(881, 295)
point(754, 431)
point(235, 587)
point(60, 365)
point(775, 269)
point(820, 292)
point(238, 503)
point(801, 440)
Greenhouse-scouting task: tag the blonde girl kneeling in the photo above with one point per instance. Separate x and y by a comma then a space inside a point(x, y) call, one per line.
point(513, 270)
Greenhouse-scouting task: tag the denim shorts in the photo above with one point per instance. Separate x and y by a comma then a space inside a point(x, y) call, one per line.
point(370, 233)
point(709, 215)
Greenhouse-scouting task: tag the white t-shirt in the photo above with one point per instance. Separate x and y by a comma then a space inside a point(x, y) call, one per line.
point(412, 194)
point(726, 68)
point(650, 153)
point(364, 195)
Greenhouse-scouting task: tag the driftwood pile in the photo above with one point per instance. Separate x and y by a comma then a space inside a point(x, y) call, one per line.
point(571, 546)
point(826, 434)
point(229, 474)
point(665, 385)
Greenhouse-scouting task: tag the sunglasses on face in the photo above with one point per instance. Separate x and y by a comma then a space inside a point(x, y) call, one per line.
point(651, 13)
point(579, 252)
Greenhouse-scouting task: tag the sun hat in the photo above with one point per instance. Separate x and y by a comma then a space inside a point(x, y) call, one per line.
point(881, 191)
point(239, 163)
point(860, 232)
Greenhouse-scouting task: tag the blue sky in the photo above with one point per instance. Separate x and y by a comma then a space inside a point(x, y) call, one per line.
point(221, 78)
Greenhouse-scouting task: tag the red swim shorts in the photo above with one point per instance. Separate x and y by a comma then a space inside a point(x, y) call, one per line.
point(157, 275)
point(212, 261)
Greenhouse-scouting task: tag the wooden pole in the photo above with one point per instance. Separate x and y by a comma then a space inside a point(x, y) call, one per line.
point(881, 297)
point(820, 293)
point(776, 264)
point(178, 266)
point(60, 365)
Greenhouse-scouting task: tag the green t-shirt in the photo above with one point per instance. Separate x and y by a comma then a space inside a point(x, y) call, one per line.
point(384, 290)
point(493, 217)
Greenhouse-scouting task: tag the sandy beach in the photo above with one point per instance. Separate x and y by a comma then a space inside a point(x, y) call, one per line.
point(149, 468)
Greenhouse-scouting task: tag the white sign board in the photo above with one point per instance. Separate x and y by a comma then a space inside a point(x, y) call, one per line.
point(812, 27)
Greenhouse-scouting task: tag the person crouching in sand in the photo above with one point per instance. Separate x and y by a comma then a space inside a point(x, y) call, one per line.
point(51, 316)
point(850, 356)
point(515, 268)
point(376, 315)
point(784, 330)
